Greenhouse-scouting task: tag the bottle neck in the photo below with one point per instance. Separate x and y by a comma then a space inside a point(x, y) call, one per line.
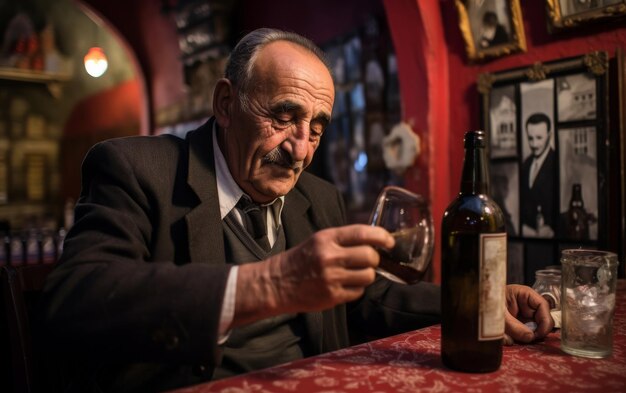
point(577, 199)
point(475, 179)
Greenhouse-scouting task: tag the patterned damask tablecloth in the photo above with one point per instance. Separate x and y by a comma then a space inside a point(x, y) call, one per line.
point(411, 362)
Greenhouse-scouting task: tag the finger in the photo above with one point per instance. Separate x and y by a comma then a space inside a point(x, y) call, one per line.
point(523, 301)
point(352, 277)
point(507, 340)
point(359, 257)
point(360, 234)
point(539, 310)
point(544, 320)
point(518, 301)
point(517, 330)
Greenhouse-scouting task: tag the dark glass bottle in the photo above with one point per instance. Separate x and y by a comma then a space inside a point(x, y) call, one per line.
point(473, 243)
point(577, 218)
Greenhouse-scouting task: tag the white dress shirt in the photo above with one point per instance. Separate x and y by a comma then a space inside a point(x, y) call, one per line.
point(229, 193)
point(535, 166)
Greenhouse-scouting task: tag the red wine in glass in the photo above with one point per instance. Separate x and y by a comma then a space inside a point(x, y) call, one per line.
point(407, 217)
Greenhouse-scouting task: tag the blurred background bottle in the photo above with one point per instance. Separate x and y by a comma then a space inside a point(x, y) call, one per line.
point(577, 226)
point(473, 246)
point(548, 284)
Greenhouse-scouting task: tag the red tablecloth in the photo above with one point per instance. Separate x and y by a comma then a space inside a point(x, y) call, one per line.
point(411, 362)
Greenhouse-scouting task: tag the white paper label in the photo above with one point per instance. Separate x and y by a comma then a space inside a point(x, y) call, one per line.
point(492, 286)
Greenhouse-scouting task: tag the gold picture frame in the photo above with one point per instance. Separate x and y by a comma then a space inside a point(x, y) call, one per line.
point(491, 28)
point(565, 14)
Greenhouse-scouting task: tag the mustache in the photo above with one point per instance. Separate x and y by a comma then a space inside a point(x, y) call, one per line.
point(280, 157)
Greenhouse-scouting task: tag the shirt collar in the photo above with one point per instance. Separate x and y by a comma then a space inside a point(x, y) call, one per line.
point(228, 192)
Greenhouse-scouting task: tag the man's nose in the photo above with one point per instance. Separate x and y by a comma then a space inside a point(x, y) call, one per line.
point(297, 144)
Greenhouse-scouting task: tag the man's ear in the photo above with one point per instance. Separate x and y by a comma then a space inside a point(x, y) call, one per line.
point(223, 97)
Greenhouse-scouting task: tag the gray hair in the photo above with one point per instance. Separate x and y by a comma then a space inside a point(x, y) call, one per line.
point(241, 61)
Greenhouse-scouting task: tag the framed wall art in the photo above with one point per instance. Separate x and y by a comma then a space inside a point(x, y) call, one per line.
point(572, 13)
point(491, 28)
point(550, 158)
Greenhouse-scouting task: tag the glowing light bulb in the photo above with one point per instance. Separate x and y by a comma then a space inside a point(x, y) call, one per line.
point(96, 62)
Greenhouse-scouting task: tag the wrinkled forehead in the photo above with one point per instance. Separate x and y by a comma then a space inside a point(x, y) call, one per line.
point(286, 72)
point(285, 56)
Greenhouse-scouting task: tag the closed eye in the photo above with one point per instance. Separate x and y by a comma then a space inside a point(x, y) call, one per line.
point(283, 114)
point(319, 124)
point(316, 131)
point(282, 122)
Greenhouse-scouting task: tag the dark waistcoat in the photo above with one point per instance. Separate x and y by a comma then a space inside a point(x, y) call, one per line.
point(267, 342)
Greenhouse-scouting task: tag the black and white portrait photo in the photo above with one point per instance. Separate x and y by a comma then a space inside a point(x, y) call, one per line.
point(576, 97)
point(490, 22)
point(538, 186)
point(502, 122)
point(491, 28)
point(578, 183)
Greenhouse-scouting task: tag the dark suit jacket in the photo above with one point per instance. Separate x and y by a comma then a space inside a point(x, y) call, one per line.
point(137, 293)
point(542, 193)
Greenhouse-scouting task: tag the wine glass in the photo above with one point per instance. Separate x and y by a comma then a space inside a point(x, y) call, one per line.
point(407, 217)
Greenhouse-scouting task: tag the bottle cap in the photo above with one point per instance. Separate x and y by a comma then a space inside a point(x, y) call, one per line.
point(475, 138)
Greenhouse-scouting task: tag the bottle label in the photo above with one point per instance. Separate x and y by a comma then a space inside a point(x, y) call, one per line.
point(492, 286)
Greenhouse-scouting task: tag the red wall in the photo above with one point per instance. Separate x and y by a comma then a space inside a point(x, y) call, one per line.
point(106, 110)
point(108, 114)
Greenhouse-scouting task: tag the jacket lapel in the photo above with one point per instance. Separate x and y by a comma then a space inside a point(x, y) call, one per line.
point(294, 220)
point(297, 229)
point(204, 226)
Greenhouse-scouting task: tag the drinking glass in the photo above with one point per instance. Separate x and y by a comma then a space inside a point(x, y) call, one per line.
point(588, 284)
point(548, 285)
point(407, 217)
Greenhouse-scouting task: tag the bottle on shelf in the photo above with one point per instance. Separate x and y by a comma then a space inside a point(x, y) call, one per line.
point(539, 219)
point(577, 226)
point(473, 244)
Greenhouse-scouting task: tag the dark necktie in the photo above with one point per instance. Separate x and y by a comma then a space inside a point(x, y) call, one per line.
point(254, 221)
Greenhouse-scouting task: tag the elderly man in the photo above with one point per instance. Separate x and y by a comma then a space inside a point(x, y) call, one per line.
point(215, 255)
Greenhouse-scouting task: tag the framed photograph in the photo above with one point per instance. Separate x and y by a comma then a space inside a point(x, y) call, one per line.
point(572, 13)
point(502, 118)
point(491, 28)
point(577, 97)
point(550, 155)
